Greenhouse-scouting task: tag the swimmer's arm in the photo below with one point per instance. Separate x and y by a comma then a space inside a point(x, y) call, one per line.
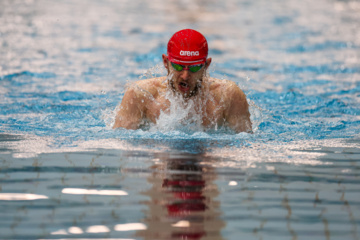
point(131, 111)
point(237, 114)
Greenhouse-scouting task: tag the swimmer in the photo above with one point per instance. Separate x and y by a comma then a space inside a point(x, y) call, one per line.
point(218, 102)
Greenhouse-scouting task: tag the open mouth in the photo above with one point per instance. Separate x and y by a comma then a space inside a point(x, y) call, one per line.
point(184, 87)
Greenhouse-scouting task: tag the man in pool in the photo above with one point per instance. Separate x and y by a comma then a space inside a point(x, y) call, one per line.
point(216, 102)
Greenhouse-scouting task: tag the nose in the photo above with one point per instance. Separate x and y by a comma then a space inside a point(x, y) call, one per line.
point(185, 74)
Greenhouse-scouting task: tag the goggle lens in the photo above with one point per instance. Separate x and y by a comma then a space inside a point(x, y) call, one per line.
point(177, 67)
point(193, 68)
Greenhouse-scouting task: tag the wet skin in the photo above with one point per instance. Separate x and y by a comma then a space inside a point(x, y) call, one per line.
point(219, 102)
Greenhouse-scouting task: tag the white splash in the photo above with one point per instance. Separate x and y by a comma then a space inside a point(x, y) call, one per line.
point(180, 115)
point(185, 114)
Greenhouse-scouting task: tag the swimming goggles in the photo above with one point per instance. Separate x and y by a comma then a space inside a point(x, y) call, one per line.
point(192, 68)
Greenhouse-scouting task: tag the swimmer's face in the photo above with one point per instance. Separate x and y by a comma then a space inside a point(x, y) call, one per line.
point(185, 82)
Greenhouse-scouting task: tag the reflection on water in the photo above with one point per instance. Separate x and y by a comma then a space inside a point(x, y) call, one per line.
point(142, 195)
point(182, 201)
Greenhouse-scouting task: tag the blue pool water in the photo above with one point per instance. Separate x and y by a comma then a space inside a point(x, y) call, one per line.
point(64, 173)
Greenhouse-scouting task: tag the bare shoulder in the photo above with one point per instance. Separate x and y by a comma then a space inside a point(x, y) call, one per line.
point(133, 104)
point(236, 111)
point(226, 89)
point(147, 86)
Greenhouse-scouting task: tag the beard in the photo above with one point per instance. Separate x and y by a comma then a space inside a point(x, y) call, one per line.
point(192, 93)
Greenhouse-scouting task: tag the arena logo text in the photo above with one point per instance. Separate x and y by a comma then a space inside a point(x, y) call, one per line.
point(189, 53)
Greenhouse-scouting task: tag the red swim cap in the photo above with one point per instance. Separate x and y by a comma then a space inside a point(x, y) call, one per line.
point(187, 47)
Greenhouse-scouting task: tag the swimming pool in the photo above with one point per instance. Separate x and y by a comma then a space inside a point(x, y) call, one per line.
point(66, 174)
